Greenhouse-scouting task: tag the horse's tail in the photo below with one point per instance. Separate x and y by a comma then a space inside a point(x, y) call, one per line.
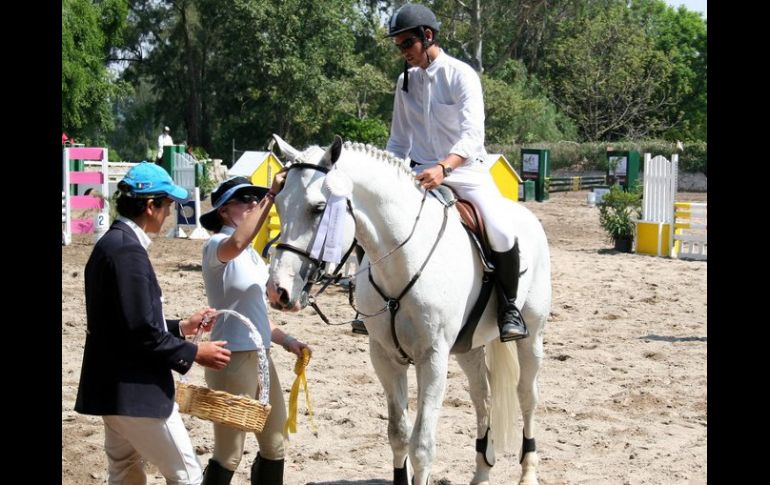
point(503, 364)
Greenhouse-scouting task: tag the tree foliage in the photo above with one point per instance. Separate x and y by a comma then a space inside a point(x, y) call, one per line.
point(517, 110)
point(607, 76)
point(88, 31)
point(223, 73)
point(681, 35)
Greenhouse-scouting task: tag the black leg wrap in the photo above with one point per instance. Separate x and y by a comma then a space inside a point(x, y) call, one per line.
point(400, 475)
point(527, 445)
point(481, 447)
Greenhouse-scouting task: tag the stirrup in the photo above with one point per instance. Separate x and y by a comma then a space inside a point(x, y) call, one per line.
point(511, 337)
point(516, 323)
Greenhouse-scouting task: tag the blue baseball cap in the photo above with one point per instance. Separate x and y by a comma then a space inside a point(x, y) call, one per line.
point(146, 179)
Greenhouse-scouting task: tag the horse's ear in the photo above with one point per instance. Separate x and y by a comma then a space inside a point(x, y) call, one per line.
point(333, 153)
point(288, 150)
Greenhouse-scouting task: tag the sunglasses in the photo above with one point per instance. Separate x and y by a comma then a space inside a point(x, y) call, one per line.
point(407, 43)
point(245, 198)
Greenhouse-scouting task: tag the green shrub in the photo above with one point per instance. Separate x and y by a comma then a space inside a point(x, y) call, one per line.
point(583, 157)
point(367, 130)
point(618, 210)
point(203, 177)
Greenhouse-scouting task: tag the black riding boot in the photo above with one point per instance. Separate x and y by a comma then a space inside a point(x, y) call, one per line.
point(216, 474)
point(266, 472)
point(509, 319)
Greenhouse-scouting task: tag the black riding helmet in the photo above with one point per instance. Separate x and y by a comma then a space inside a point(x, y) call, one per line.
point(413, 16)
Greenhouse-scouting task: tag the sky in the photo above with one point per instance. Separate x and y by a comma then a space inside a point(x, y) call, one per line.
point(694, 5)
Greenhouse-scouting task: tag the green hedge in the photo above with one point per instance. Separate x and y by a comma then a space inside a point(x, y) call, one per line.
point(583, 157)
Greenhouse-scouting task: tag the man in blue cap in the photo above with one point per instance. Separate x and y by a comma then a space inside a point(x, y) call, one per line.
point(131, 348)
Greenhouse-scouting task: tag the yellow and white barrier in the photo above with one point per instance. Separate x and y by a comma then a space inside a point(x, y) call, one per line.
point(690, 231)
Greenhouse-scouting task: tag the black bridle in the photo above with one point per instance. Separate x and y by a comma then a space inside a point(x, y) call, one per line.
point(317, 270)
point(391, 304)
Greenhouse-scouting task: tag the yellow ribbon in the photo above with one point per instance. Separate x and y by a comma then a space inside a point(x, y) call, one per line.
point(299, 369)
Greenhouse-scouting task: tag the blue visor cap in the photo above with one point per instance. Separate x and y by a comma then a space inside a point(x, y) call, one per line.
point(146, 178)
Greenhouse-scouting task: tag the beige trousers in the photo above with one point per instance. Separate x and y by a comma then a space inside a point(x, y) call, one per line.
point(240, 377)
point(128, 441)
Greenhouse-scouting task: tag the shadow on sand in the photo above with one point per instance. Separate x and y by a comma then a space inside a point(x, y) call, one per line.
point(375, 481)
point(666, 338)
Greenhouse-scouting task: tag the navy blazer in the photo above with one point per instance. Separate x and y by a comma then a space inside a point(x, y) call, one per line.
point(128, 355)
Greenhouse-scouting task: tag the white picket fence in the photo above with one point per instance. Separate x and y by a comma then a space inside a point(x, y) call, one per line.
point(684, 221)
point(660, 177)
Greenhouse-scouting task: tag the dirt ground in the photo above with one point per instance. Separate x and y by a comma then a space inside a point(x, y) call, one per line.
point(623, 385)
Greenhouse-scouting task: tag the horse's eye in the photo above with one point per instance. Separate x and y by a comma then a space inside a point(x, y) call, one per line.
point(319, 208)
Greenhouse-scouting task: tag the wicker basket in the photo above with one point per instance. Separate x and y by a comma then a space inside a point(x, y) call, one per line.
point(220, 407)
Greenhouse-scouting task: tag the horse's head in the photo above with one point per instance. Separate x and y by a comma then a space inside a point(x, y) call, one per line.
point(301, 204)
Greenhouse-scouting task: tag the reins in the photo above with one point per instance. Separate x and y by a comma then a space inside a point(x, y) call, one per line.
point(317, 273)
point(394, 304)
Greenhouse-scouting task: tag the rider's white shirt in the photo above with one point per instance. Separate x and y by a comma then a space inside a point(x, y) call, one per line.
point(442, 113)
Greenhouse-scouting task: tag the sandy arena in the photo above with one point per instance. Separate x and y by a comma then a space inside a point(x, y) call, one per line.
point(623, 384)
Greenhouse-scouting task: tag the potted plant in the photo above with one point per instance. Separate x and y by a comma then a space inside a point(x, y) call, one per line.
point(618, 210)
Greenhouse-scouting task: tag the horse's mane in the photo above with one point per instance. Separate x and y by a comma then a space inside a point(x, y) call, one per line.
point(383, 156)
point(371, 152)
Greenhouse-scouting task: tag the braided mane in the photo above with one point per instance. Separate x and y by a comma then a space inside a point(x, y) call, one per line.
point(381, 155)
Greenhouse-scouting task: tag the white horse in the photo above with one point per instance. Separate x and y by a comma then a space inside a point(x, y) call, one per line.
point(387, 204)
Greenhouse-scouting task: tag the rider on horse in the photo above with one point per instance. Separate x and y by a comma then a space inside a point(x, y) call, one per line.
point(438, 122)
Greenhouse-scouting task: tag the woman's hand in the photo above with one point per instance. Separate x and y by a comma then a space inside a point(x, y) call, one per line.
point(278, 181)
point(290, 344)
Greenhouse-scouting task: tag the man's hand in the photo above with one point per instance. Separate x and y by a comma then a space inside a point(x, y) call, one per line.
point(202, 319)
point(213, 354)
point(430, 178)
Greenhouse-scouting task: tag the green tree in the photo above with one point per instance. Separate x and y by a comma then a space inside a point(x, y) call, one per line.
point(681, 35)
point(488, 33)
point(242, 69)
point(609, 78)
point(89, 30)
point(288, 67)
point(518, 112)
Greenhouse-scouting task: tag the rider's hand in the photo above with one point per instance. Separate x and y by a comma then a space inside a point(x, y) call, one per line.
point(431, 177)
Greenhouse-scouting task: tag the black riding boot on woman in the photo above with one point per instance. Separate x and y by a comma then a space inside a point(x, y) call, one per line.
point(216, 474)
point(266, 472)
point(509, 319)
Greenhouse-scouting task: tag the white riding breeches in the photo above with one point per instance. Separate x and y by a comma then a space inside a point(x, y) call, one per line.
point(473, 182)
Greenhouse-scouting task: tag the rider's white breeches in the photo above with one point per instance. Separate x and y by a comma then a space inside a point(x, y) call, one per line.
point(474, 183)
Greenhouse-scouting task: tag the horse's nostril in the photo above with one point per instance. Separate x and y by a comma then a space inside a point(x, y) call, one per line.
point(283, 296)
